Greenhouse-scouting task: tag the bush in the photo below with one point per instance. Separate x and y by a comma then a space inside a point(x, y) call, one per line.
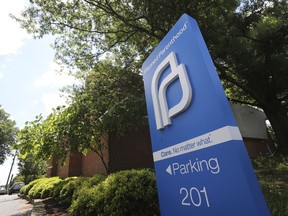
point(25, 190)
point(67, 191)
point(43, 188)
point(86, 183)
point(64, 191)
point(123, 193)
point(59, 186)
point(94, 180)
point(48, 189)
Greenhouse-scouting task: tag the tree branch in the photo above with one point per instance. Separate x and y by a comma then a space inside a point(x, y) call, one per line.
point(109, 10)
point(225, 76)
point(242, 102)
point(85, 30)
point(248, 37)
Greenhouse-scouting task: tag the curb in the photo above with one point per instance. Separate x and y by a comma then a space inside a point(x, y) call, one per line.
point(38, 208)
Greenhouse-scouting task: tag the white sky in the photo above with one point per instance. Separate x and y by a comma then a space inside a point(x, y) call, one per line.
point(29, 83)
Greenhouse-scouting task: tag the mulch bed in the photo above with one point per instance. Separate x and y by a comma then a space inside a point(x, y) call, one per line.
point(53, 209)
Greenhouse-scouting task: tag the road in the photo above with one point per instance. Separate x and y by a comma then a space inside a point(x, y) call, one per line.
point(12, 205)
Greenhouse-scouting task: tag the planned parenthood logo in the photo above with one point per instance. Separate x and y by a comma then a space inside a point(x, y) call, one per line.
point(163, 114)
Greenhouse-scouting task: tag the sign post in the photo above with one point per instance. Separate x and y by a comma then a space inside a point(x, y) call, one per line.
point(202, 166)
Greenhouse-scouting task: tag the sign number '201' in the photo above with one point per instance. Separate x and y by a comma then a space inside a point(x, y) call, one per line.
point(194, 196)
point(193, 131)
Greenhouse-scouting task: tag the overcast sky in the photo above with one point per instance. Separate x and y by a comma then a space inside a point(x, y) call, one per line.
point(29, 82)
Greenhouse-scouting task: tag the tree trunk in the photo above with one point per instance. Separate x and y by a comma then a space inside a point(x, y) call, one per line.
point(278, 117)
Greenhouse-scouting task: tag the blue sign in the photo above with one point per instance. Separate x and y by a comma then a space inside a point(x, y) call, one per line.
point(202, 166)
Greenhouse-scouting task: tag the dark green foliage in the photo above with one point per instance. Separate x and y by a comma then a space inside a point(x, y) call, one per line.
point(68, 189)
point(59, 186)
point(273, 177)
point(92, 181)
point(124, 193)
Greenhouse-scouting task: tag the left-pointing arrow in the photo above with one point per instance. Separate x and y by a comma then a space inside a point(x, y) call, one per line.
point(168, 170)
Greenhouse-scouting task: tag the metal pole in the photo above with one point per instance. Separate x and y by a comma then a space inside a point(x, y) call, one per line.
point(10, 172)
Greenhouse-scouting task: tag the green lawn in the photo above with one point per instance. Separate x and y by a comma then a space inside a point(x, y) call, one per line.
point(272, 174)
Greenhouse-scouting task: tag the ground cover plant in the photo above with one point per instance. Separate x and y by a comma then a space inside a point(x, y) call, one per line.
point(272, 174)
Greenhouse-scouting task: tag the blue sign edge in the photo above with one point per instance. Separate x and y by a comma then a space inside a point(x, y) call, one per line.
point(252, 181)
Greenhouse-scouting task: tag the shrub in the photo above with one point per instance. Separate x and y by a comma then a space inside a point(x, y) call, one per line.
point(94, 180)
point(43, 188)
point(59, 186)
point(47, 190)
point(68, 190)
point(25, 190)
point(72, 190)
point(64, 191)
point(124, 193)
point(85, 203)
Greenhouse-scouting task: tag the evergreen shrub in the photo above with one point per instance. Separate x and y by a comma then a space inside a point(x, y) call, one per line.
point(58, 187)
point(43, 188)
point(131, 192)
point(48, 189)
point(25, 189)
point(81, 183)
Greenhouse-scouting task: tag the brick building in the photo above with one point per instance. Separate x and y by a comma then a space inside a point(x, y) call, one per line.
point(131, 151)
point(135, 151)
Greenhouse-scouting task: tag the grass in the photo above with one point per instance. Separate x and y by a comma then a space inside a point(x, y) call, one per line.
point(272, 174)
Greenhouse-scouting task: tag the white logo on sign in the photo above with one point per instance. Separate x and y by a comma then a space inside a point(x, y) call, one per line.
point(162, 113)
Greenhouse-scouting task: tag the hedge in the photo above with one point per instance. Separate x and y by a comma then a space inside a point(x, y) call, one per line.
point(62, 191)
point(134, 192)
point(124, 193)
point(44, 188)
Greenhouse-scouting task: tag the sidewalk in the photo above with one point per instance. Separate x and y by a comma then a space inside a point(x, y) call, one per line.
point(45, 207)
point(38, 208)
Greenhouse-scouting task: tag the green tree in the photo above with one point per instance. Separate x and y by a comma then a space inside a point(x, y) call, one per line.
point(40, 138)
point(86, 29)
point(110, 101)
point(29, 138)
point(254, 60)
point(247, 40)
point(31, 168)
point(8, 132)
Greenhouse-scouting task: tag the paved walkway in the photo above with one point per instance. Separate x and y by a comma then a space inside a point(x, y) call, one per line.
point(12, 205)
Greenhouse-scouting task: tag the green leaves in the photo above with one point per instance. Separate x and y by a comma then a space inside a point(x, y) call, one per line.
point(247, 40)
point(87, 29)
point(8, 132)
point(111, 101)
